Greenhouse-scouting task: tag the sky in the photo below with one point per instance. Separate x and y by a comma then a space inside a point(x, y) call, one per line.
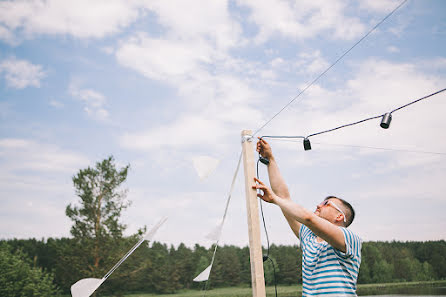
point(167, 85)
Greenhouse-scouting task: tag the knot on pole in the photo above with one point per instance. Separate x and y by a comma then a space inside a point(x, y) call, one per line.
point(248, 138)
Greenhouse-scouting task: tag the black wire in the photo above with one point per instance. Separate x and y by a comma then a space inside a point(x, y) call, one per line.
point(331, 66)
point(274, 270)
point(261, 211)
point(346, 125)
point(415, 101)
point(266, 232)
point(361, 121)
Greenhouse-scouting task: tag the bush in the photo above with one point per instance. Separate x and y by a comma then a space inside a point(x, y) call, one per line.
point(19, 278)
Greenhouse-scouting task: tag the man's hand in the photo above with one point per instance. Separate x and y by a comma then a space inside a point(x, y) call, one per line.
point(264, 149)
point(268, 194)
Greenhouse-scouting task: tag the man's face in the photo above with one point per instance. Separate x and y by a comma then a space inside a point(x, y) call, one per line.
point(327, 211)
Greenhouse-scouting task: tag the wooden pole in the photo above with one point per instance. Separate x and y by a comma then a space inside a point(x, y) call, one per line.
point(255, 245)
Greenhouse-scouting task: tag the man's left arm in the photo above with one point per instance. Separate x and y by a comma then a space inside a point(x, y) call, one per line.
point(324, 229)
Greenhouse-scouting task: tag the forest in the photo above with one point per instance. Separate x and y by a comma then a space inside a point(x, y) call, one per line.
point(167, 269)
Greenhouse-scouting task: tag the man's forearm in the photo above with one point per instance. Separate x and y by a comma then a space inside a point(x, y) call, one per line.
point(279, 187)
point(276, 180)
point(293, 211)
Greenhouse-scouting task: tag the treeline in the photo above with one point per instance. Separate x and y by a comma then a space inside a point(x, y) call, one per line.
point(167, 269)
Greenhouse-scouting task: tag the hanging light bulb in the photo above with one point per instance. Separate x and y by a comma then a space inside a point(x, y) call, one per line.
point(385, 122)
point(307, 144)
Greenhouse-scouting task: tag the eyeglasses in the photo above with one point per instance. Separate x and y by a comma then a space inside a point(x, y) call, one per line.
point(326, 202)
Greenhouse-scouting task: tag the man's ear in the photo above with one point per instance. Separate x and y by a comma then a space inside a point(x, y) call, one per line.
point(340, 218)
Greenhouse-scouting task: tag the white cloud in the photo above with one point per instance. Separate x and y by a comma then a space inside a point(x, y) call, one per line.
point(393, 49)
point(163, 59)
point(183, 133)
point(381, 85)
point(20, 74)
point(217, 108)
point(35, 183)
point(7, 36)
point(56, 104)
point(379, 5)
point(311, 62)
point(109, 50)
point(277, 62)
point(79, 18)
point(208, 20)
point(193, 58)
point(94, 102)
point(302, 19)
point(18, 154)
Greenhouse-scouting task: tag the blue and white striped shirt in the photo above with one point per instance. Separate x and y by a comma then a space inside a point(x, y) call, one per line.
point(327, 271)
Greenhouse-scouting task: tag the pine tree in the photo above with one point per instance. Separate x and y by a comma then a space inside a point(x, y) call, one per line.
point(98, 233)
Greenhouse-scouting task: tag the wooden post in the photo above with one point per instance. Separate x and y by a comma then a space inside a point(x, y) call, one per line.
point(255, 245)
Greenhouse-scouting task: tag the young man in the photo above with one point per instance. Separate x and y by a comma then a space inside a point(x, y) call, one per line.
point(331, 254)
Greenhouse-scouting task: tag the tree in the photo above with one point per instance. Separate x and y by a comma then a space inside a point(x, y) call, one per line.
point(383, 271)
point(101, 201)
point(19, 278)
point(184, 261)
point(289, 264)
point(96, 229)
point(226, 267)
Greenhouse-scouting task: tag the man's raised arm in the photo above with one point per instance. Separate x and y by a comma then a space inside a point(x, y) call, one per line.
point(296, 213)
point(277, 182)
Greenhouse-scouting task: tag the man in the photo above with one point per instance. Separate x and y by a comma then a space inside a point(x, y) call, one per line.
point(331, 254)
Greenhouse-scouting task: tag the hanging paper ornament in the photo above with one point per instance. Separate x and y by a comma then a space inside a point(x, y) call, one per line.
point(204, 275)
point(205, 166)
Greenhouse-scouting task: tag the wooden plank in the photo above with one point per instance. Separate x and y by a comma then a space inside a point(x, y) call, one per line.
point(252, 206)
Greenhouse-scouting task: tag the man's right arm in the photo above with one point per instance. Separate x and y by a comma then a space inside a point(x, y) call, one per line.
point(277, 182)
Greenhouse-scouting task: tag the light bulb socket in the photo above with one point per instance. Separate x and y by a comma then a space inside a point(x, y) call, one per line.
point(385, 122)
point(264, 160)
point(307, 144)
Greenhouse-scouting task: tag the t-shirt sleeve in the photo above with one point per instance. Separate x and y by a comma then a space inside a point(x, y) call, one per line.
point(352, 243)
point(304, 232)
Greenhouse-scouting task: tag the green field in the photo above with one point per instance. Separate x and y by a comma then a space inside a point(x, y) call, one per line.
point(288, 291)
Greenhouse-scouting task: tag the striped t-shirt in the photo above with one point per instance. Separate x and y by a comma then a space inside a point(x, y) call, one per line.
point(327, 271)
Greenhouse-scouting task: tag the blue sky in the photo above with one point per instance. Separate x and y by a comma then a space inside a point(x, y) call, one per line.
point(162, 84)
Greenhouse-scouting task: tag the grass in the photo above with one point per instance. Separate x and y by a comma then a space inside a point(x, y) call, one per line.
point(283, 291)
point(231, 292)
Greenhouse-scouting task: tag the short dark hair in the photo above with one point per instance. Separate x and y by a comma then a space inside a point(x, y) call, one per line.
point(350, 213)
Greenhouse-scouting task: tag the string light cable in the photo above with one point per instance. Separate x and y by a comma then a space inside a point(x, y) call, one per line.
point(385, 124)
point(266, 257)
point(331, 66)
point(369, 147)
